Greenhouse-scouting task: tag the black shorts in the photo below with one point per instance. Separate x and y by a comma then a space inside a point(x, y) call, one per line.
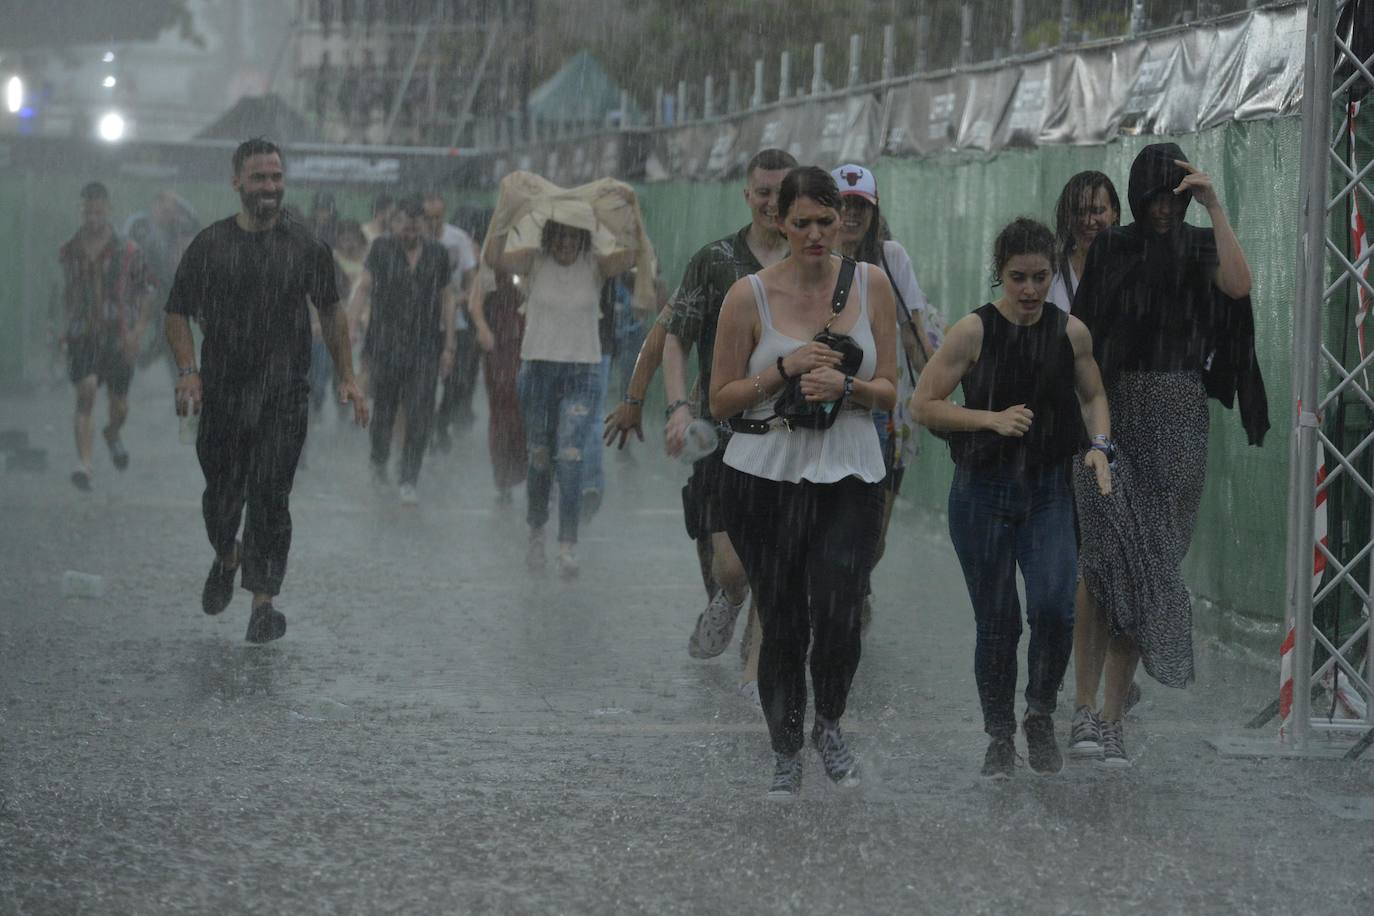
point(103, 357)
point(701, 497)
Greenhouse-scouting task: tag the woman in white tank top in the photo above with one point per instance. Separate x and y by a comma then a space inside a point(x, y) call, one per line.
point(803, 507)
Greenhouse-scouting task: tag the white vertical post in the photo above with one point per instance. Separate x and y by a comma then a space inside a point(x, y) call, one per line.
point(817, 68)
point(785, 76)
point(1018, 25)
point(1066, 22)
point(855, 49)
point(732, 93)
point(1137, 16)
point(889, 52)
point(756, 98)
point(966, 33)
point(658, 106)
point(624, 109)
point(708, 98)
point(680, 108)
point(922, 42)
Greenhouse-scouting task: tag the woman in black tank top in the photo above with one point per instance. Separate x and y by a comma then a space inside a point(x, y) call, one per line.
point(1030, 386)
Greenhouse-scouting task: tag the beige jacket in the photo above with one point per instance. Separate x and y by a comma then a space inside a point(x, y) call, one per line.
point(606, 208)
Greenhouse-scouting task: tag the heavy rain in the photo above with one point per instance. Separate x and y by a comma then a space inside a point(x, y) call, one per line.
point(642, 456)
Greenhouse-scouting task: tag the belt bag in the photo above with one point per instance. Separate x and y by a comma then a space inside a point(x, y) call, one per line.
point(792, 410)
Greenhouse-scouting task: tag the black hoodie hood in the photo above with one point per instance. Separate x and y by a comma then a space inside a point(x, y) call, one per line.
point(1156, 171)
point(1149, 300)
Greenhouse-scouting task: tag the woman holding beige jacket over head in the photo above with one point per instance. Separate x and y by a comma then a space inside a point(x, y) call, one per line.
point(563, 243)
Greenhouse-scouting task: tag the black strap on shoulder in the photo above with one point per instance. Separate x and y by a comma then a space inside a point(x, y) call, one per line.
point(842, 284)
point(906, 316)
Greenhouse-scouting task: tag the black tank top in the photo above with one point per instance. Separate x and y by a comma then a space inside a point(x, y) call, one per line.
point(1023, 364)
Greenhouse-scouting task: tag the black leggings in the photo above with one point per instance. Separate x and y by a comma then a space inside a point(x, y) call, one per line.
point(808, 550)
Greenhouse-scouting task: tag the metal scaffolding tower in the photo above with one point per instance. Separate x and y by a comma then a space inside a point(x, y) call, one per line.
point(1329, 380)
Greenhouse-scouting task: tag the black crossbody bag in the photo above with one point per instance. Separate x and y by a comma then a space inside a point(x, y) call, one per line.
point(792, 408)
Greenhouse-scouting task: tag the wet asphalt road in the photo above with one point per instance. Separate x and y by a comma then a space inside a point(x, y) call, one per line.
point(440, 732)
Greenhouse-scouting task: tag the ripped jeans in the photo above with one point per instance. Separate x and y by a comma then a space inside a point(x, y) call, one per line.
point(558, 401)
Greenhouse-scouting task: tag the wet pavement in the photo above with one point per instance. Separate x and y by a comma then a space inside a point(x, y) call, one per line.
point(441, 732)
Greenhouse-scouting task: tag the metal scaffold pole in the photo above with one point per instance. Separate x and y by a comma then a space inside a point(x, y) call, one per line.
point(1307, 316)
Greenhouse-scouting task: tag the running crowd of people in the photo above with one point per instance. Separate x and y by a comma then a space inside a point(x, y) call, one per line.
point(1079, 443)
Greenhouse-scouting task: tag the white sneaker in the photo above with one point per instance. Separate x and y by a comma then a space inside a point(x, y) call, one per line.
point(715, 627)
point(81, 478)
point(567, 564)
point(408, 497)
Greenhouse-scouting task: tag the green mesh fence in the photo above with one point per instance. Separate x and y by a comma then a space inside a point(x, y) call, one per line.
point(946, 211)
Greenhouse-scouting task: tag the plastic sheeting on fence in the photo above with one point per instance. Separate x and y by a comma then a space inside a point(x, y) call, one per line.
point(1242, 67)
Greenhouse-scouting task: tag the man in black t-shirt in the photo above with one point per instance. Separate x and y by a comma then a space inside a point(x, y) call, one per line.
point(248, 281)
point(407, 279)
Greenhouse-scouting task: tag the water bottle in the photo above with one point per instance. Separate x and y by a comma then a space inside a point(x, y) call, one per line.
point(82, 585)
point(698, 441)
point(190, 426)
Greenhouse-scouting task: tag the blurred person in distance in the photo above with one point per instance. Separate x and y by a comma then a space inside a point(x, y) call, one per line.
point(108, 291)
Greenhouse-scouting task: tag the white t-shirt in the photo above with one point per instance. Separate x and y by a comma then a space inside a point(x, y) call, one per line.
point(562, 309)
point(903, 277)
point(462, 257)
point(462, 252)
point(1059, 289)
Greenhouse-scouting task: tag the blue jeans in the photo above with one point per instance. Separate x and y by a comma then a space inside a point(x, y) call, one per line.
point(558, 401)
point(593, 474)
point(999, 521)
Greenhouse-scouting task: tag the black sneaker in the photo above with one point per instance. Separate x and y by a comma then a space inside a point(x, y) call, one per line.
point(81, 478)
point(118, 454)
point(266, 624)
point(787, 775)
point(1041, 746)
point(1000, 761)
point(219, 585)
point(838, 759)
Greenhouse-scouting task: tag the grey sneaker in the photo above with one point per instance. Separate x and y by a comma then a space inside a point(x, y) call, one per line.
point(1041, 747)
point(1114, 746)
point(715, 627)
point(1085, 735)
point(408, 496)
point(1000, 760)
point(838, 759)
point(787, 775)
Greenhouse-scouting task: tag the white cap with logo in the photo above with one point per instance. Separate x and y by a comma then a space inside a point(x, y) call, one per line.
point(856, 180)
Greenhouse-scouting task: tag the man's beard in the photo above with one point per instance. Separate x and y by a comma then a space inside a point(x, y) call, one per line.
point(256, 204)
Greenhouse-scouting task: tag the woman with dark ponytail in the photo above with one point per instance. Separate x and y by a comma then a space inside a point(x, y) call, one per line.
point(1030, 385)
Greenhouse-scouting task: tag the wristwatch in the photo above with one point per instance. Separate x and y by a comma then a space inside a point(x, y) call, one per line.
point(633, 401)
point(848, 385)
point(672, 408)
point(189, 370)
point(1105, 446)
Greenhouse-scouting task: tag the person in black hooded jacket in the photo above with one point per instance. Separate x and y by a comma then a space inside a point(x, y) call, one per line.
point(1169, 310)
